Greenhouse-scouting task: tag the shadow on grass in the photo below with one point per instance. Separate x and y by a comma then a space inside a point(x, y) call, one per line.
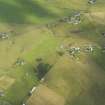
point(93, 96)
point(19, 12)
point(42, 69)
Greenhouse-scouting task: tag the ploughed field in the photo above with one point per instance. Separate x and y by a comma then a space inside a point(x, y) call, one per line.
point(52, 52)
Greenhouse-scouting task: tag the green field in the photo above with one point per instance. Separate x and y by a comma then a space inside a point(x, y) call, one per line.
point(39, 38)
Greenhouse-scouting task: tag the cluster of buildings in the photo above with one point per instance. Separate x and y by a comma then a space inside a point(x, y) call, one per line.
point(92, 1)
point(72, 50)
point(4, 35)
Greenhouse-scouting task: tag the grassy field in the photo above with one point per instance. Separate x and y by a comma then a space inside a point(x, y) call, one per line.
point(35, 33)
point(82, 77)
point(35, 11)
point(28, 47)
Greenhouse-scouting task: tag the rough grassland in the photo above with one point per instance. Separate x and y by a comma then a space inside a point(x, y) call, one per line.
point(70, 81)
point(82, 79)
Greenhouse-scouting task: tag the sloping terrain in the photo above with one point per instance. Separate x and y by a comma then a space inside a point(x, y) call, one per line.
point(43, 50)
point(77, 80)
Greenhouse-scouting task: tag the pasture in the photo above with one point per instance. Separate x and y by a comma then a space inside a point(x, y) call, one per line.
point(41, 37)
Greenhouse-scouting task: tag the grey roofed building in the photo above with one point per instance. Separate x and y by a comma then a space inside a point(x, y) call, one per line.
point(91, 1)
point(3, 35)
point(1, 93)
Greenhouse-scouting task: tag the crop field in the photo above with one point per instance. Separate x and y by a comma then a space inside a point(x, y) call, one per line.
point(52, 52)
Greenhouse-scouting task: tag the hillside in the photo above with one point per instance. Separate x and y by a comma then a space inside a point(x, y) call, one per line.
point(54, 47)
